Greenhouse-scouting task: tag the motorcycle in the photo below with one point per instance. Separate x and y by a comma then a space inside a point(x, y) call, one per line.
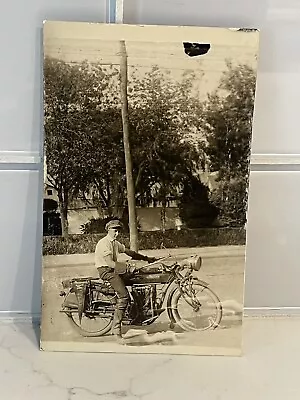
point(154, 288)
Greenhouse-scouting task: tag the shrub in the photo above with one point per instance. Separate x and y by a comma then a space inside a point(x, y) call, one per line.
point(97, 225)
point(82, 244)
point(231, 200)
point(195, 209)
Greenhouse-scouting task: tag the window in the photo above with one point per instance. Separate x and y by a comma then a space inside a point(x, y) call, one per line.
point(49, 192)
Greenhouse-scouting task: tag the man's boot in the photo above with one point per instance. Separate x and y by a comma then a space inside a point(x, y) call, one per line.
point(117, 324)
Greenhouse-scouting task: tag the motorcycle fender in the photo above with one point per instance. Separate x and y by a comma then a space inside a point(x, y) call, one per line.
point(203, 283)
point(172, 289)
point(70, 300)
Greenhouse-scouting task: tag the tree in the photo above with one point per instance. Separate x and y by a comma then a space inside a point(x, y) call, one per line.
point(84, 144)
point(227, 128)
point(105, 164)
point(162, 115)
point(195, 208)
point(71, 93)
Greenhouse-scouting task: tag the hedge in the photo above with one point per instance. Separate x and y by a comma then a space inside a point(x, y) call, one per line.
point(86, 243)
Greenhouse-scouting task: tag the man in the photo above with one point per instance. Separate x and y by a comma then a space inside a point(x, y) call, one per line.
point(106, 260)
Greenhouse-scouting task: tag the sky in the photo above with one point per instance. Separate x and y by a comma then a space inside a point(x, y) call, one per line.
point(75, 42)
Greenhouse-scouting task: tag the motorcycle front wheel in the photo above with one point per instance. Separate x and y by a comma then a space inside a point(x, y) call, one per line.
point(198, 310)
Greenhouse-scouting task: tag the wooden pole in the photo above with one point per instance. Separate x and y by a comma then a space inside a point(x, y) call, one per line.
point(128, 162)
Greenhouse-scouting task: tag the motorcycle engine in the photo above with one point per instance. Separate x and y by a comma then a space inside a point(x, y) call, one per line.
point(145, 299)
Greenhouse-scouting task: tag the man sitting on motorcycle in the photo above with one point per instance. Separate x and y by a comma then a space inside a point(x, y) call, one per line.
point(106, 260)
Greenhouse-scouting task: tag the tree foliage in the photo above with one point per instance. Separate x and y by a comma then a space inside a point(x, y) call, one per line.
point(84, 140)
point(195, 208)
point(158, 124)
point(72, 93)
point(83, 129)
point(227, 128)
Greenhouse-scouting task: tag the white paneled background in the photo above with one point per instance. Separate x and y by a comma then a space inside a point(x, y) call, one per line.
point(272, 272)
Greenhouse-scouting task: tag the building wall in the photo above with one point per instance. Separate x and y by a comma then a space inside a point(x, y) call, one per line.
point(78, 217)
point(150, 219)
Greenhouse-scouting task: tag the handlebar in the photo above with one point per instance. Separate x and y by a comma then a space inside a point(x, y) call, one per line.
point(168, 268)
point(159, 260)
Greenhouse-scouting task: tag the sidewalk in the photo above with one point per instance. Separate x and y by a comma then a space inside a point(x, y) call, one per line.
point(65, 260)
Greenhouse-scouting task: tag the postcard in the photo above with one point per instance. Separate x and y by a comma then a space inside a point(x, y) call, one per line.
point(147, 145)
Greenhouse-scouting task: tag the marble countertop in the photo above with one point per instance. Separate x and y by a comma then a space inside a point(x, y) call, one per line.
point(267, 370)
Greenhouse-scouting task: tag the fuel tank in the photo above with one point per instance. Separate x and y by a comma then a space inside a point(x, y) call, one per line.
point(148, 274)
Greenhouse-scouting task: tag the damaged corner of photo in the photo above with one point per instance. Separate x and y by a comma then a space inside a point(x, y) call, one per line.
point(146, 168)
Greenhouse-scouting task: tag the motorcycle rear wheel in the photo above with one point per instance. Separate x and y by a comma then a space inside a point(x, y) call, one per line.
point(177, 316)
point(87, 332)
point(89, 326)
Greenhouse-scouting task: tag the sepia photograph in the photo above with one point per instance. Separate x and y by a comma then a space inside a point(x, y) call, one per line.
point(147, 145)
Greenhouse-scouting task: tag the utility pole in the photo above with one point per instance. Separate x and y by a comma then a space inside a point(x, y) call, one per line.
point(128, 162)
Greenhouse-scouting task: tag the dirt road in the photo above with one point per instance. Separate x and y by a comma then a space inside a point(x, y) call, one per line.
point(223, 270)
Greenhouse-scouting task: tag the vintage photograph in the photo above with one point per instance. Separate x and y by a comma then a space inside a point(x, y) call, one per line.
point(147, 144)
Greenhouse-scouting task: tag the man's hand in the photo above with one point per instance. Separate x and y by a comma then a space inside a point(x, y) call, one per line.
point(136, 256)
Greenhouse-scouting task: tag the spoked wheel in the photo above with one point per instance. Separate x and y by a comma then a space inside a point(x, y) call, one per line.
point(90, 326)
point(93, 324)
point(200, 311)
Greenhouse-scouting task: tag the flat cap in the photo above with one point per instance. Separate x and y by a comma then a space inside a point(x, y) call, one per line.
point(114, 223)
